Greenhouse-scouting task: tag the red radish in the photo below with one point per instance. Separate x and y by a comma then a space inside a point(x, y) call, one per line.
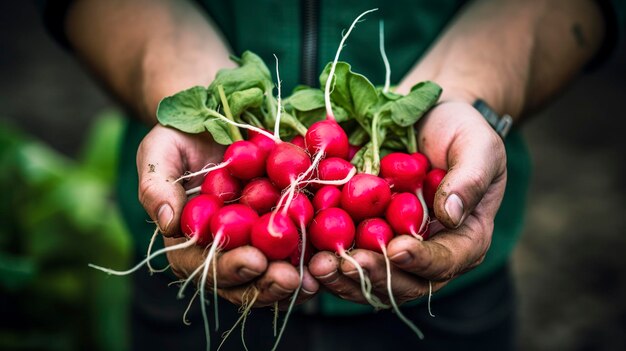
point(298, 140)
point(285, 163)
point(327, 137)
point(266, 144)
point(365, 196)
point(326, 197)
point(260, 194)
point(333, 230)
point(373, 233)
point(352, 150)
point(253, 133)
point(245, 160)
point(221, 184)
point(195, 223)
point(405, 214)
point(423, 160)
point(296, 255)
point(402, 171)
point(431, 183)
point(235, 221)
point(275, 235)
point(300, 210)
point(334, 168)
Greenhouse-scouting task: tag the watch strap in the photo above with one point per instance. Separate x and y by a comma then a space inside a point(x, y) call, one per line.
point(501, 124)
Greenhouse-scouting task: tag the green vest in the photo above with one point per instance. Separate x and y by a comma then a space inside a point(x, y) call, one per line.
point(305, 36)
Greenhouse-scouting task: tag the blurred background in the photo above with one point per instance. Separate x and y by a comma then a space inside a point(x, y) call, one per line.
point(58, 142)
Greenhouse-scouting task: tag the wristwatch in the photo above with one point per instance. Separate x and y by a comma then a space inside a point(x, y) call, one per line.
point(501, 124)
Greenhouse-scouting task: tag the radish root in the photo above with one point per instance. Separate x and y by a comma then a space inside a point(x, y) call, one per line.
point(366, 284)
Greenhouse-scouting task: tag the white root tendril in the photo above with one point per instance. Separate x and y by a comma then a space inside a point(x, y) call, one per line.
point(207, 262)
point(381, 34)
point(430, 295)
point(182, 245)
point(425, 217)
point(279, 108)
point(292, 303)
point(206, 169)
point(366, 284)
point(331, 74)
point(186, 282)
point(246, 307)
point(150, 268)
point(185, 320)
point(343, 181)
point(392, 299)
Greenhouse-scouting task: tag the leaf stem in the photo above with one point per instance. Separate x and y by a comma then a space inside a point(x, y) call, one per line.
point(235, 134)
point(411, 139)
point(381, 34)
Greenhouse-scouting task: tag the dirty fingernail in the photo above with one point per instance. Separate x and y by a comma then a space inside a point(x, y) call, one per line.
point(401, 258)
point(247, 274)
point(165, 215)
point(454, 208)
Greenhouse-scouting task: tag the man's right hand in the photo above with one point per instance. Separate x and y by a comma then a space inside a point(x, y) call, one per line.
point(163, 156)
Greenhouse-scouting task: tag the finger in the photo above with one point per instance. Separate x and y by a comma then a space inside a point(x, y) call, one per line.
point(159, 163)
point(474, 163)
point(404, 286)
point(444, 256)
point(309, 288)
point(279, 282)
point(324, 266)
point(239, 266)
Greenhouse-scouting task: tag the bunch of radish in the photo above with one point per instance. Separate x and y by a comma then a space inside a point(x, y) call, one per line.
point(349, 176)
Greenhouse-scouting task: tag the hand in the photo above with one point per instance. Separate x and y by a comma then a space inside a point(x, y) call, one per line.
point(456, 137)
point(164, 155)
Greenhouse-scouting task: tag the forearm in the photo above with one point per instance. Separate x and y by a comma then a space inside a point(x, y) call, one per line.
point(513, 54)
point(144, 50)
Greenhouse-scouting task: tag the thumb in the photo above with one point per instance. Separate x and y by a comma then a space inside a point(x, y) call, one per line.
point(159, 164)
point(474, 167)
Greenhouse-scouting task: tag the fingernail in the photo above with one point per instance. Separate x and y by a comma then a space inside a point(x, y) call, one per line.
point(247, 274)
point(329, 278)
point(454, 208)
point(278, 290)
point(401, 258)
point(165, 215)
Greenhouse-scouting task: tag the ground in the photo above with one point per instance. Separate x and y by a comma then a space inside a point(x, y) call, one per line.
point(569, 265)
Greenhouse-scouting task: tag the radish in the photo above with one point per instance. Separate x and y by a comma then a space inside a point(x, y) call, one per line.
point(195, 223)
point(285, 163)
point(275, 235)
point(333, 230)
point(326, 197)
point(402, 171)
point(231, 226)
point(334, 168)
point(327, 137)
point(260, 194)
point(300, 211)
point(298, 140)
point(423, 160)
point(263, 142)
point(405, 214)
point(431, 183)
point(245, 160)
point(221, 184)
point(365, 196)
point(374, 234)
point(352, 150)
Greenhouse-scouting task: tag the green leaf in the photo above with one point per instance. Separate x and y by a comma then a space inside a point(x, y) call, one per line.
point(306, 99)
point(410, 108)
point(219, 131)
point(252, 73)
point(241, 101)
point(185, 110)
point(351, 91)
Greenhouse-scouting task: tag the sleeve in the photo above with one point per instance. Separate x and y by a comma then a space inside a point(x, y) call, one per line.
point(52, 14)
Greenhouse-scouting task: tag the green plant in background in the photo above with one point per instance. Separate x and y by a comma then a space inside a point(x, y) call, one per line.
point(57, 215)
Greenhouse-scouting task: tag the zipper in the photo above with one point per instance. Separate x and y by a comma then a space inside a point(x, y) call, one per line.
point(310, 36)
point(309, 11)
